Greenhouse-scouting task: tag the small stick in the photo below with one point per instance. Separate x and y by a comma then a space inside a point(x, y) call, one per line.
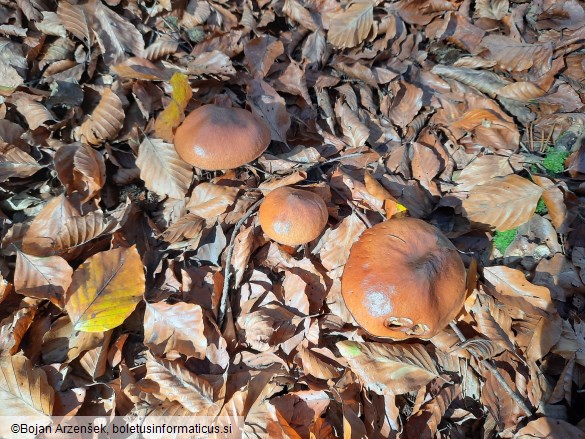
point(489, 366)
point(354, 208)
point(228, 263)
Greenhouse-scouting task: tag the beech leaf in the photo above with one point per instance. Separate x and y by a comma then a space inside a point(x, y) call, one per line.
point(503, 203)
point(105, 121)
point(162, 170)
point(105, 290)
point(350, 27)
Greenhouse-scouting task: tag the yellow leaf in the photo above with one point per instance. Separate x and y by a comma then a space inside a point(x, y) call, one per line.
point(105, 290)
point(181, 90)
point(171, 117)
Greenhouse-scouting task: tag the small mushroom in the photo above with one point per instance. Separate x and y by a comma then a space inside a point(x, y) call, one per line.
point(404, 279)
point(292, 216)
point(214, 138)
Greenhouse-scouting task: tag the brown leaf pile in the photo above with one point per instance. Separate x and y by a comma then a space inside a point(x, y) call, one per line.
point(116, 253)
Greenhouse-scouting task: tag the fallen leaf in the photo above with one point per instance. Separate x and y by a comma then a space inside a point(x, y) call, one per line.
point(105, 121)
point(105, 290)
point(350, 27)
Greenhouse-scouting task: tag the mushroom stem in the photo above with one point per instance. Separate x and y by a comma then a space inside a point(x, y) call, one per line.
point(489, 366)
point(228, 264)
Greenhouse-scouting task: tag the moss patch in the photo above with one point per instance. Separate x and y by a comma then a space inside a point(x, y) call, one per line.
point(502, 240)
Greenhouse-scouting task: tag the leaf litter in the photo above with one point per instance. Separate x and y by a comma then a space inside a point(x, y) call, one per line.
point(150, 283)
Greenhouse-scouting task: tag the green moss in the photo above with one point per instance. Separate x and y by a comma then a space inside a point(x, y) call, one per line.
point(554, 161)
point(502, 240)
point(541, 207)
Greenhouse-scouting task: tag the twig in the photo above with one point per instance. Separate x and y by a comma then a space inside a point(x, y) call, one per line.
point(228, 263)
point(489, 366)
point(354, 208)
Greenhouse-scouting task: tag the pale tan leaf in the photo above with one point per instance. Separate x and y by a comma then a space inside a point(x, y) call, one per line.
point(503, 203)
point(78, 230)
point(75, 20)
point(90, 164)
point(354, 130)
point(24, 390)
point(178, 327)
point(39, 239)
point(16, 163)
point(288, 180)
point(483, 80)
point(187, 227)
point(350, 27)
point(493, 9)
point(512, 287)
point(549, 428)
point(406, 103)
point(514, 55)
point(51, 25)
point(338, 242)
point(10, 79)
point(35, 113)
point(211, 63)
point(319, 365)
point(161, 47)
point(105, 121)
point(260, 53)
point(42, 277)
point(162, 170)
point(473, 118)
point(209, 200)
point(176, 383)
point(521, 91)
point(389, 368)
point(482, 170)
point(296, 12)
point(243, 247)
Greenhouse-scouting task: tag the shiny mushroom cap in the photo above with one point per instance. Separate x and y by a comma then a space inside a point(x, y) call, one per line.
point(292, 216)
point(214, 138)
point(403, 279)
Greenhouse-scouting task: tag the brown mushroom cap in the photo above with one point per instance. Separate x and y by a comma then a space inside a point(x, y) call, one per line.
point(214, 138)
point(292, 216)
point(403, 279)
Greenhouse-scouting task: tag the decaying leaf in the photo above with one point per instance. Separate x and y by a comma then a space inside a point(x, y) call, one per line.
point(105, 121)
point(350, 27)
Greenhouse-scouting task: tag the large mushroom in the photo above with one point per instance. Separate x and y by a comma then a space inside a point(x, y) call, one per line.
point(292, 216)
point(404, 279)
point(214, 138)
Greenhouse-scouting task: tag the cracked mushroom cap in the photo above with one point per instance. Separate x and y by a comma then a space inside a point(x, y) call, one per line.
point(292, 216)
point(214, 138)
point(403, 279)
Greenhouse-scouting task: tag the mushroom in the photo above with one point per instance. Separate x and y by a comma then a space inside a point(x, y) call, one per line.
point(214, 138)
point(404, 279)
point(292, 216)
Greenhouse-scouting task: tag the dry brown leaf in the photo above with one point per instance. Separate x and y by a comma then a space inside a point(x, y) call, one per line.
point(288, 180)
point(244, 244)
point(389, 369)
point(16, 163)
point(90, 168)
point(318, 365)
point(512, 288)
point(105, 121)
point(260, 53)
point(188, 226)
point(115, 34)
point(503, 203)
point(296, 12)
point(270, 106)
point(209, 200)
point(350, 27)
point(35, 113)
point(338, 241)
point(355, 131)
point(24, 390)
point(178, 327)
point(75, 21)
point(79, 230)
point(554, 199)
point(521, 91)
point(425, 423)
point(42, 277)
point(406, 103)
point(15, 327)
point(549, 428)
point(176, 383)
point(516, 56)
point(482, 170)
point(211, 63)
point(162, 170)
point(39, 239)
